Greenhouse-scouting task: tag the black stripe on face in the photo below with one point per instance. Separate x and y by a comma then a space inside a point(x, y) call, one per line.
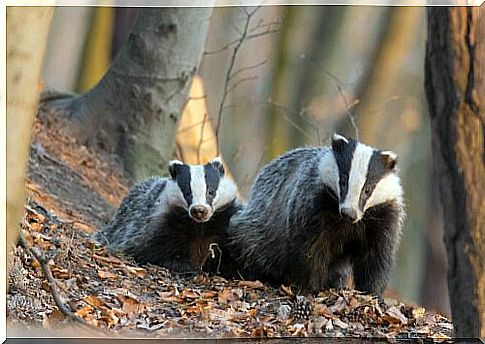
point(376, 171)
point(343, 153)
point(182, 177)
point(212, 178)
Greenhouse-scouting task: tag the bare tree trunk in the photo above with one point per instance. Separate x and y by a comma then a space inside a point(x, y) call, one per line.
point(458, 145)
point(134, 110)
point(27, 31)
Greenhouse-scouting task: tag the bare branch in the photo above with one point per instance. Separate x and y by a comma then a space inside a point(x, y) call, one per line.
point(247, 38)
point(239, 82)
point(44, 264)
point(240, 70)
point(229, 70)
point(339, 84)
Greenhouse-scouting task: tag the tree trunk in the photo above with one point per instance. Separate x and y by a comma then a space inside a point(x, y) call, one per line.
point(27, 31)
point(134, 110)
point(458, 143)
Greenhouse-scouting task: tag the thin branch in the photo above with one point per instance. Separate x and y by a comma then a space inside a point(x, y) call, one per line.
point(201, 139)
point(229, 71)
point(239, 82)
point(44, 264)
point(240, 70)
point(247, 38)
point(339, 84)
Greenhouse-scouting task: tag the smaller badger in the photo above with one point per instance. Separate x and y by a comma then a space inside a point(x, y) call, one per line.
point(173, 222)
point(315, 215)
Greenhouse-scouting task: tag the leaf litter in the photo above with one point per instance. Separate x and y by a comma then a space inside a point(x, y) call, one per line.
point(112, 293)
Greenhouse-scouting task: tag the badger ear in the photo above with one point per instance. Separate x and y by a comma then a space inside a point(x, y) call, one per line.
point(338, 141)
point(389, 159)
point(217, 164)
point(172, 167)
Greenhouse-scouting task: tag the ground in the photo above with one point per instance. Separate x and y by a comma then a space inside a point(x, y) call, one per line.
point(73, 191)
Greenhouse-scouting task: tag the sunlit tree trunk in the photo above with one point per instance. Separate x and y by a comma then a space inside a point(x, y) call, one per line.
point(27, 31)
point(453, 87)
point(134, 110)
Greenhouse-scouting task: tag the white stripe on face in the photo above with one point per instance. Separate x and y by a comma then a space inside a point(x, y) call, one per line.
point(357, 177)
point(329, 172)
point(198, 185)
point(226, 193)
point(387, 189)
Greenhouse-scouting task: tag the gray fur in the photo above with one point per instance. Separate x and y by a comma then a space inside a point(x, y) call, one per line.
point(153, 225)
point(291, 230)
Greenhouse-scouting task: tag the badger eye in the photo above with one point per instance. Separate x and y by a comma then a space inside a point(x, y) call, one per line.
point(212, 193)
point(367, 190)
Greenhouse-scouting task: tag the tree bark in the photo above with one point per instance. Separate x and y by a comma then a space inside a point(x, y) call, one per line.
point(458, 145)
point(27, 31)
point(134, 110)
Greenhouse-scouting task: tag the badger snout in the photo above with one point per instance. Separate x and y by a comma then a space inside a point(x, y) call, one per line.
point(200, 213)
point(350, 214)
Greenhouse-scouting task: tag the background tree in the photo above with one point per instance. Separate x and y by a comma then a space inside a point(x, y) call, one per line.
point(453, 88)
point(27, 28)
point(134, 110)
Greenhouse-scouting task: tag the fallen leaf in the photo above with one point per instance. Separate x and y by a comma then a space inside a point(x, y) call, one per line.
point(130, 305)
point(227, 296)
point(82, 312)
point(394, 316)
point(93, 301)
point(251, 284)
point(107, 275)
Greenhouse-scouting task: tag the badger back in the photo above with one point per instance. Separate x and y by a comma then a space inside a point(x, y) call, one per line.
point(204, 188)
point(360, 176)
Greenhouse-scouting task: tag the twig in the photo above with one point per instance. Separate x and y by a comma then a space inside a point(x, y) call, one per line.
point(240, 70)
point(44, 264)
point(229, 71)
point(201, 139)
point(239, 82)
point(247, 38)
point(339, 84)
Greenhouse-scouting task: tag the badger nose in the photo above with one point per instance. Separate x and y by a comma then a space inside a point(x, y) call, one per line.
point(199, 212)
point(349, 213)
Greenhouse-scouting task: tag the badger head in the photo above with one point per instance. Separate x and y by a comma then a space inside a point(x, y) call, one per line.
point(362, 177)
point(205, 188)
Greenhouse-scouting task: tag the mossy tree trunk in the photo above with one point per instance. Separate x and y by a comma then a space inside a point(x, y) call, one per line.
point(134, 111)
point(457, 130)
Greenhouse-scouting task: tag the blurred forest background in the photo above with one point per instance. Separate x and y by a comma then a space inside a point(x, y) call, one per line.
point(299, 74)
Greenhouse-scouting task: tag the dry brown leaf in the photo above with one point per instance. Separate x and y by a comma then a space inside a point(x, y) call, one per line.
point(84, 227)
point(50, 320)
point(82, 312)
point(109, 259)
point(130, 305)
point(251, 284)
point(136, 271)
point(227, 296)
point(394, 316)
point(209, 294)
point(107, 275)
point(287, 290)
point(94, 301)
point(189, 294)
point(321, 309)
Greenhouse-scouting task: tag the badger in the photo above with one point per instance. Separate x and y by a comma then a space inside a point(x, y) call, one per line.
point(176, 221)
point(317, 215)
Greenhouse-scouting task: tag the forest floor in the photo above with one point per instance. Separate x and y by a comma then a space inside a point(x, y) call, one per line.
point(72, 191)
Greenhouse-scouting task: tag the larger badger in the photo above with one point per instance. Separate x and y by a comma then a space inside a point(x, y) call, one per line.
point(175, 222)
point(315, 215)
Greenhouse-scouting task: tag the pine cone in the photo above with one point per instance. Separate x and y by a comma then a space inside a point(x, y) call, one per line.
point(302, 308)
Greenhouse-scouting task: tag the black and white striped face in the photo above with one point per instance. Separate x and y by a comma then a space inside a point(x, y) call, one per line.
point(204, 187)
point(366, 177)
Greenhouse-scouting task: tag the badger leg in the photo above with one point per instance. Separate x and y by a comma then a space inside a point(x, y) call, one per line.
point(371, 270)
